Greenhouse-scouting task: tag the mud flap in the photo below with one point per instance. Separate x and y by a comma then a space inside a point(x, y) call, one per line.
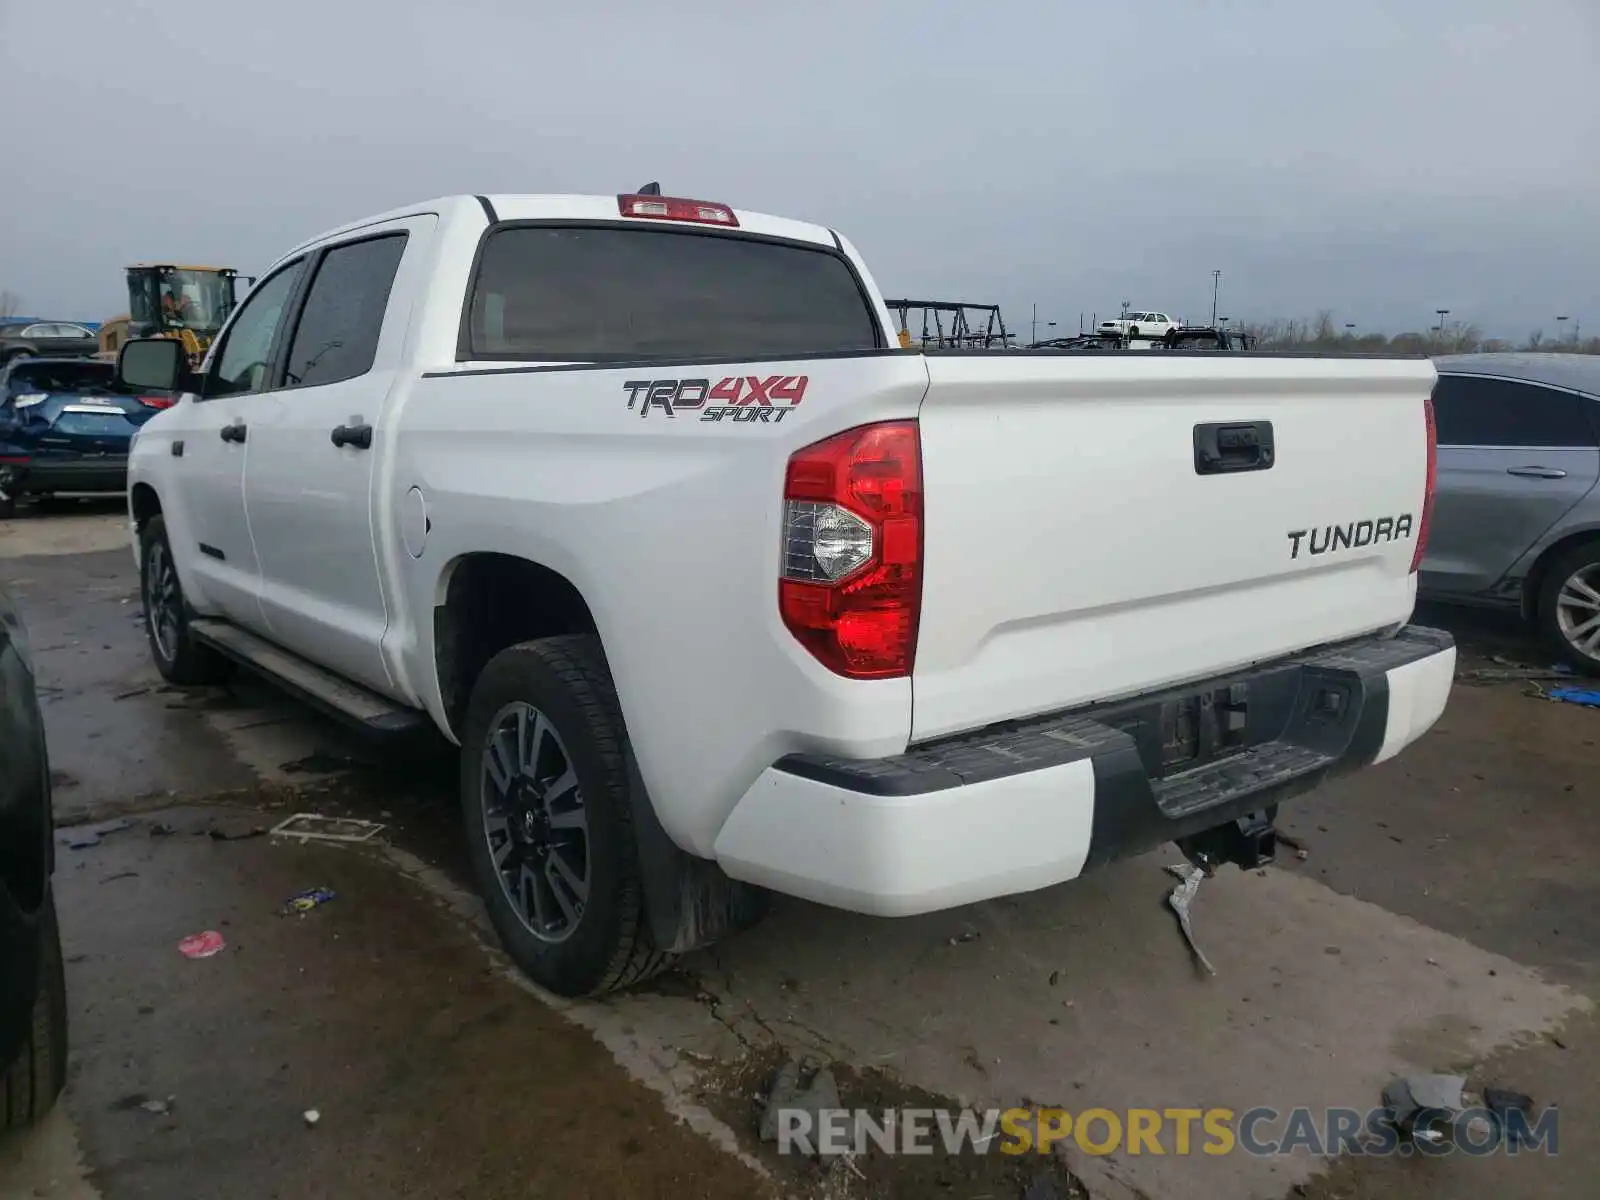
point(689, 902)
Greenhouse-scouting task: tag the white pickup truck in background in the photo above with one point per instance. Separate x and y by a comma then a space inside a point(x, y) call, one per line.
point(720, 592)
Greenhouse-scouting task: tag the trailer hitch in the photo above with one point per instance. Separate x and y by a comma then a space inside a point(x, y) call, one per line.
point(1248, 842)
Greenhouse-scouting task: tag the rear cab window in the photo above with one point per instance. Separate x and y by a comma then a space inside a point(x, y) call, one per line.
point(597, 294)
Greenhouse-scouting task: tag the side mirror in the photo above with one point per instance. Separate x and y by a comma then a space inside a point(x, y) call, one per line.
point(154, 365)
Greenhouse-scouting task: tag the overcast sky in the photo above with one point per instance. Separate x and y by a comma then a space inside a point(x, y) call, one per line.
point(1380, 158)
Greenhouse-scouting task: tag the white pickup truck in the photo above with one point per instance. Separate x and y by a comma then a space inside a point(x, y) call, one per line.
point(720, 592)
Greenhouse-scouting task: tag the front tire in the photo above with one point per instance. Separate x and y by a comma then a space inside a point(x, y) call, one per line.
point(179, 657)
point(547, 805)
point(1569, 607)
point(31, 1085)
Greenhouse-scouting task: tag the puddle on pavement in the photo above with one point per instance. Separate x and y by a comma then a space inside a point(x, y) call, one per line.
point(735, 1094)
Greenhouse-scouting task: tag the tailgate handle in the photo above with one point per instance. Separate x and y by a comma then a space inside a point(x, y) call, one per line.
point(1222, 447)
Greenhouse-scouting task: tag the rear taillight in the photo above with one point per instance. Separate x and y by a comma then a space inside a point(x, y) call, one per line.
point(1427, 496)
point(157, 401)
point(851, 584)
point(671, 208)
point(14, 460)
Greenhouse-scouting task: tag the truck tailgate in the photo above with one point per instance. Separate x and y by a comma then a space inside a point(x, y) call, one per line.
point(1079, 548)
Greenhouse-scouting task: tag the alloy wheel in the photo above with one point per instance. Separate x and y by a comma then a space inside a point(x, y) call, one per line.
point(535, 821)
point(163, 600)
point(1578, 611)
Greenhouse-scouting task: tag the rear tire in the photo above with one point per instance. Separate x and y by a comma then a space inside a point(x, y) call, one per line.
point(179, 657)
point(31, 1085)
point(8, 507)
point(1133, 331)
point(551, 704)
point(1566, 618)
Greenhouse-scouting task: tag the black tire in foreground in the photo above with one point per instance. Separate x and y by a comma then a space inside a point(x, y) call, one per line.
point(545, 797)
point(1569, 606)
point(179, 657)
point(30, 1086)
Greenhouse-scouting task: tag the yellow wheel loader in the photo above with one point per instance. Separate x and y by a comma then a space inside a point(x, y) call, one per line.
point(188, 304)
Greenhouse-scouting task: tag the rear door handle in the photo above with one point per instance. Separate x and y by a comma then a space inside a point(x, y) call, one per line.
point(233, 433)
point(358, 437)
point(1537, 472)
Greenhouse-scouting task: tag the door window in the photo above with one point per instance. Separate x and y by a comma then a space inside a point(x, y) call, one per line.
point(246, 353)
point(1470, 411)
point(337, 335)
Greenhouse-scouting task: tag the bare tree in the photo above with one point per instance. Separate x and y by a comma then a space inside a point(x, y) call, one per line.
point(1322, 332)
point(10, 304)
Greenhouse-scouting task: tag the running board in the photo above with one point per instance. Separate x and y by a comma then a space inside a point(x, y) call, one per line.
point(321, 688)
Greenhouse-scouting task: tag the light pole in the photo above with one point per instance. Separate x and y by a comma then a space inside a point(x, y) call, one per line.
point(1443, 313)
point(1216, 282)
point(1047, 324)
point(1559, 325)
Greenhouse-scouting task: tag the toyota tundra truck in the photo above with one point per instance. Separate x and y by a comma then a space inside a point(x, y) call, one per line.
point(722, 593)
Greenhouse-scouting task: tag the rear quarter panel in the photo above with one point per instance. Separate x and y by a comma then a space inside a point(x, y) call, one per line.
point(670, 527)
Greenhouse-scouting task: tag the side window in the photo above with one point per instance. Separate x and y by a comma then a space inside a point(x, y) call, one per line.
point(337, 337)
point(241, 364)
point(1469, 411)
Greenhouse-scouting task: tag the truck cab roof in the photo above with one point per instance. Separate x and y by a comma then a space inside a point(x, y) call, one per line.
point(550, 206)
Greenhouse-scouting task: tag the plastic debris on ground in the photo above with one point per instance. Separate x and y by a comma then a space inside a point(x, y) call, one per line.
point(221, 833)
point(1588, 697)
point(306, 901)
point(202, 945)
point(311, 1116)
point(1181, 898)
point(314, 827)
point(159, 1108)
point(84, 836)
point(1437, 1109)
point(816, 1095)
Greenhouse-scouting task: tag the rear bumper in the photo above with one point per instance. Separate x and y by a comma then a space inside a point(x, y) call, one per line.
point(1033, 803)
point(109, 474)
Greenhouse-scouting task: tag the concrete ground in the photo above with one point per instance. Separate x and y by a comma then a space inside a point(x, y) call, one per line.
point(1445, 918)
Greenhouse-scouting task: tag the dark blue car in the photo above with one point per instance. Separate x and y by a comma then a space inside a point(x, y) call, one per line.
point(65, 426)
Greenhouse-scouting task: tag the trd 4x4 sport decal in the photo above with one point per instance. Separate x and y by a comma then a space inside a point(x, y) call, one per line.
point(742, 397)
